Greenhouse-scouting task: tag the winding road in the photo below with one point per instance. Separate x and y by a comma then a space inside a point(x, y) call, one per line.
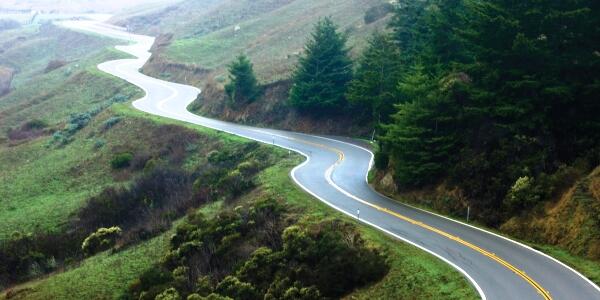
point(335, 173)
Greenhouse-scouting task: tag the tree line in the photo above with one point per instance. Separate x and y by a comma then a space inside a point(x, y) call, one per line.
point(476, 93)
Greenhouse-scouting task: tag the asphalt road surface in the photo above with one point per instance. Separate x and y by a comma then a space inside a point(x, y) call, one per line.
point(335, 172)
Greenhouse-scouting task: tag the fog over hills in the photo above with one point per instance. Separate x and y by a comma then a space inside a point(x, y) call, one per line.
point(76, 6)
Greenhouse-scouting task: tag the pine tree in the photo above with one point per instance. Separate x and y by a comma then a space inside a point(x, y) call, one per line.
point(323, 72)
point(422, 136)
point(243, 86)
point(375, 80)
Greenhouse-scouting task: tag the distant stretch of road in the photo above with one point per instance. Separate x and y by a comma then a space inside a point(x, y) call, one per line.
point(335, 172)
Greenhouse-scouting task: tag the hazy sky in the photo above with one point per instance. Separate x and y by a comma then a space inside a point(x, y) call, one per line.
point(104, 6)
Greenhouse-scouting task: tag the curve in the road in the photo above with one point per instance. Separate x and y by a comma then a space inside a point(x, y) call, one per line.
point(335, 173)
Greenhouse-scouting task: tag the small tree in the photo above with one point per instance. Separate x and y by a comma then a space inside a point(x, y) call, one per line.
point(323, 73)
point(243, 86)
point(102, 239)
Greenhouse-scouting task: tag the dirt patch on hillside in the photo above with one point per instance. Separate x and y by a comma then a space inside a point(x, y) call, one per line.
point(271, 110)
point(6, 77)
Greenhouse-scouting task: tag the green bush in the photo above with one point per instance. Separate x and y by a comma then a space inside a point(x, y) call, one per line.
point(101, 240)
point(108, 124)
point(232, 287)
point(168, 294)
point(121, 160)
point(523, 194)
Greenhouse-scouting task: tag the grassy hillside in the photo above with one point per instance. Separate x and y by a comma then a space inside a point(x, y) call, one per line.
point(412, 274)
point(199, 39)
point(29, 49)
point(57, 147)
point(271, 33)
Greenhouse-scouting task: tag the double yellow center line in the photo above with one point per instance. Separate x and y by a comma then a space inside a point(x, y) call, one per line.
point(543, 292)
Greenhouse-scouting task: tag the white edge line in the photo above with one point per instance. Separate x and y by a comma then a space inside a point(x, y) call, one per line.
point(293, 175)
point(453, 220)
point(373, 225)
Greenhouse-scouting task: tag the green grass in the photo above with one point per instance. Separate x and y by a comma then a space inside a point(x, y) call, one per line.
point(272, 39)
point(52, 97)
point(104, 276)
point(39, 45)
point(414, 274)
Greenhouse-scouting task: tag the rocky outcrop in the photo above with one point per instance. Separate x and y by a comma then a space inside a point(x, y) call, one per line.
point(6, 77)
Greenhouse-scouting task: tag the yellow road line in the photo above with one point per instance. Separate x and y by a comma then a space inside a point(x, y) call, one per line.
point(544, 293)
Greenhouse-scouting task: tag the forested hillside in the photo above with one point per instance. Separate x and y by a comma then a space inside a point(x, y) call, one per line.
point(492, 106)
point(497, 99)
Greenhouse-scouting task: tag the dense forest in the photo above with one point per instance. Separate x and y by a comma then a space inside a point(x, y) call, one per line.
point(496, 98)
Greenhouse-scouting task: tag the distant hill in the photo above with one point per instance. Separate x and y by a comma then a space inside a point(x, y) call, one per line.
point(210, 33)
point(73, 6)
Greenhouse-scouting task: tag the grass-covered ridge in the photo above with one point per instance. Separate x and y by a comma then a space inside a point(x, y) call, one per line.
point(271, 32)
point(412, 272)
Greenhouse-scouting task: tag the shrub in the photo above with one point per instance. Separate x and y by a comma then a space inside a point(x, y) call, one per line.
point(523, 194)
point(168, 294)
point(101, 240)
point(142, 210)
point(108, 124)
point(235, 183)
point(99, 143)
point(119, 98)
point(77, 122)
point(121, 160)
point(232, 287)
point(212, 296)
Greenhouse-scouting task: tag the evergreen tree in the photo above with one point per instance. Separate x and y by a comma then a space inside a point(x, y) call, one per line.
point(423, 133)
point(243, 86)
point(323, 72)
point(375, 80)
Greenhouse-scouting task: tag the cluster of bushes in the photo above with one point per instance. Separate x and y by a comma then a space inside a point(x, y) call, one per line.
point(256, 252)
point(28, 130)
point(124, 216)
point(228, 173)
point(78, 121)
point(75, 123)
point(24, 255)
point(121, 160)
point(142, 210)
point(101, 240)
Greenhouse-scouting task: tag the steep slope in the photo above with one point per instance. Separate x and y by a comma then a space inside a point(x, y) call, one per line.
point(199, 39)
point(572, 222)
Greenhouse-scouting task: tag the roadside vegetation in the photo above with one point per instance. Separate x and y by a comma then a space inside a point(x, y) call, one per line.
point(479, 105)
point(87, 205)
point(466, 117)
point(238, 196)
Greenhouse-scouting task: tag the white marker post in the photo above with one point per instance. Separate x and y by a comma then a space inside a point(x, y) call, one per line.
point(358, 213)
point(468, 213)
